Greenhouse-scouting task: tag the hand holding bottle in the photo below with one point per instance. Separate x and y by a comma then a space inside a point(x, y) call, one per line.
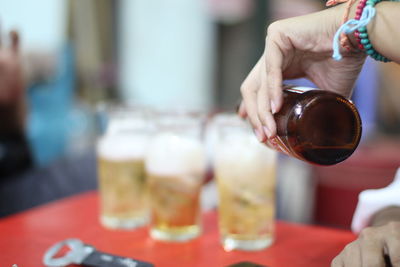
point(297, 47)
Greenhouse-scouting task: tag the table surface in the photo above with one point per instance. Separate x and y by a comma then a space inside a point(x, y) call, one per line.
point(25, 237)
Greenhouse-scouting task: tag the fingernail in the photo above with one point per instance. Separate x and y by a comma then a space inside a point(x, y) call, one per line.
point(273, 107)
point(267, 131)
point(259, 135)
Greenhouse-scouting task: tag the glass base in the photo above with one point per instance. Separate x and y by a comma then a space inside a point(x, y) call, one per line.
point(127, 224)
point(179, 234)
point(230, 244)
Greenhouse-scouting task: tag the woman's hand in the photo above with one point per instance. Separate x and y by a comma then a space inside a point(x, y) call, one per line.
point(297, 47)
point(371, 246)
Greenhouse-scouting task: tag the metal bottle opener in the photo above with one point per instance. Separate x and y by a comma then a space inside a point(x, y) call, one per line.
point(86, 255)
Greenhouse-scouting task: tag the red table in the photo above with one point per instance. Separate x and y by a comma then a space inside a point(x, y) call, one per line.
point(25, 237)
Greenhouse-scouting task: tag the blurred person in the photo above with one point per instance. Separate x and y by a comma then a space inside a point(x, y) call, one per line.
point(301, 47)
point(14, 149)
point(22, 186)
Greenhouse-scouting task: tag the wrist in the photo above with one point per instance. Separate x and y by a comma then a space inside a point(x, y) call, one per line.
point(352, 38)
point(345, 12)
point(385, 215)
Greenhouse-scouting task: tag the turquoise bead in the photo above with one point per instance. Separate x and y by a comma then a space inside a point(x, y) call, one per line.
point(364, 41)
point(367, 46)
point(370, 52)
point(362, 29)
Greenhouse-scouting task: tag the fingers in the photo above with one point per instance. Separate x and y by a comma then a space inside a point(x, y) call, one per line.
point(1, 36)
point(248, 107)
point(372, 254)
point(14, 40)
point(273, 64)
point(394, 251)
point(337, 261)
point(263, 105)
point(270, 93)
point(369, 248)
point(242, 110)
point(393, 243)
point(14, 37)
point(352, 255)
point(262, 89)
point(371, 245)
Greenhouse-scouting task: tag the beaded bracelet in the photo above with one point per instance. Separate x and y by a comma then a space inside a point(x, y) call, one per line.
point(364, 14)
point(362, 35)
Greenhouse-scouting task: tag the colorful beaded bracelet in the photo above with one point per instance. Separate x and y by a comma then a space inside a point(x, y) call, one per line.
point(362, 35)
point(364, 14)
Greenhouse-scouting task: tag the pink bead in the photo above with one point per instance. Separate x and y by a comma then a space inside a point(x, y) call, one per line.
point(358, 13)
point(363, 2)
point(361, 46)
point(357, 17)
point(357, 34)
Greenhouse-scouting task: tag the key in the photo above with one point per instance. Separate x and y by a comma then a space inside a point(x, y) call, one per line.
point(86, 255)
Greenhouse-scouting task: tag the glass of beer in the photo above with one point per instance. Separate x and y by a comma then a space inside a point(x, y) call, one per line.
point(175, 165)
point(121, 173)
point(245, 173)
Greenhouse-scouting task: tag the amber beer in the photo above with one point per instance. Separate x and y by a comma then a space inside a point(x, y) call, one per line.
point(317, 126)
point(122, 181)
point(245, 173)
point(175, 167)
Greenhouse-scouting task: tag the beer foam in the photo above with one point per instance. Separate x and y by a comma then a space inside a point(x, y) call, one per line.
point(240, 155)
point(121, 147)
point(171, 155)
point(222, 125)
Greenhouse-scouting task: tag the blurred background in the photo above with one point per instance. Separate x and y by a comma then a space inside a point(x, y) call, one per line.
point(174, 54)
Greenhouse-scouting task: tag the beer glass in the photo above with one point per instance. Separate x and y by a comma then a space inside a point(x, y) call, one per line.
point(245, 173)
point(175, 165)
point(121, 173)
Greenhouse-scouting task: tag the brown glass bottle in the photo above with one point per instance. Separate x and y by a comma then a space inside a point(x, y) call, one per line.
point(317, 126)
